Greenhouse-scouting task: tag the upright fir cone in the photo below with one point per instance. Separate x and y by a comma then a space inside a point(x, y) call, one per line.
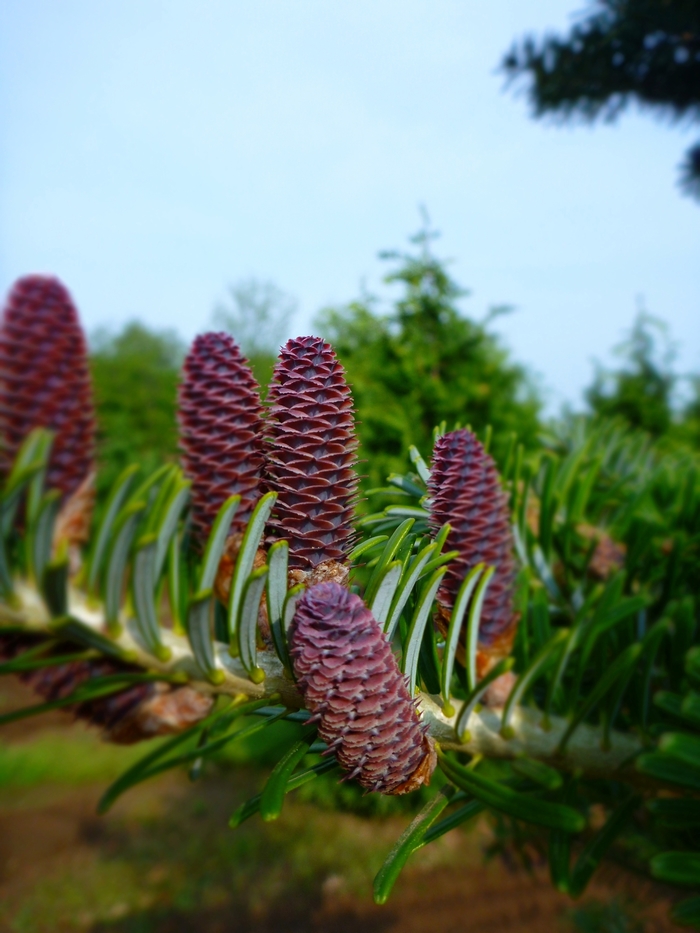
point(311, 451)
point(139, 711)
point(465, 490)
point(45, 382)
point(220, 416)
point(351, 683)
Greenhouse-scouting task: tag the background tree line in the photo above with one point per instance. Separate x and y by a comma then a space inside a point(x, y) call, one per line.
point(413, 361)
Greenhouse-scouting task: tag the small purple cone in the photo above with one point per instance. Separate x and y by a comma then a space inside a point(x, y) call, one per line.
point(139, 711)
point(351, 683)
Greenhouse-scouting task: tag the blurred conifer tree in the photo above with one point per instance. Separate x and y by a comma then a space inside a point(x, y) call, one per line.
point(424, 362)
point(690, 425)
point(135, 375)
point(646, 392)
point(258, 315)
point(640, 392)
point(646, 51)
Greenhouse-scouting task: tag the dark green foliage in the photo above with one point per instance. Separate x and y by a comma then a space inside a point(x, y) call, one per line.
point(135, 375)
point(646, 51)
point(520, 806)
point(423, 362)
point(690, 183)
point(607, 527)
point(410, 840)
point(689, 428)
point(349, 797)
point(598, 917)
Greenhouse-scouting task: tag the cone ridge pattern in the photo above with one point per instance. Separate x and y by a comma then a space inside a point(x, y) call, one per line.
point(45, 380)
point(351, 683)
point(220, 417)
point(311, 452)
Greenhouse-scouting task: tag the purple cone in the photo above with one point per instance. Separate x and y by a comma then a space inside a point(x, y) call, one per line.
point(351, 683)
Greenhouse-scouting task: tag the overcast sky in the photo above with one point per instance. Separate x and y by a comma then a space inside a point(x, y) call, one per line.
point(154, 151)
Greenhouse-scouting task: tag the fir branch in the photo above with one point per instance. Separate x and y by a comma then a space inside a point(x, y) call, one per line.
point(584, 751)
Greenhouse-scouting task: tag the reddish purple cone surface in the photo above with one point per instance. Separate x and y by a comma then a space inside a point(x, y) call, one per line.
point(311, 452)
point(139, 711)
point(351, 683)
point(220, 416)
point(45, 381)
point(58, 681)
point(465, 490)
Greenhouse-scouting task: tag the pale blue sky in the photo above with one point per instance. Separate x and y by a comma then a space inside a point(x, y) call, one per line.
point(154, 151)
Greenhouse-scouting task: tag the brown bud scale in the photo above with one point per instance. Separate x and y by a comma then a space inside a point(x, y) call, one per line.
point(311, 453)
point(220, 417)
point(45, 381)
point(352, 685)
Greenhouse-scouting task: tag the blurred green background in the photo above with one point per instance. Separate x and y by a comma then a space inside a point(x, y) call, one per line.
point(416, 355)
point(164, 859)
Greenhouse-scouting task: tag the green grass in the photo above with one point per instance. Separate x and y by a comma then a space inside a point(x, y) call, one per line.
point(64, 757)
point(76, 755)
point(169, 849)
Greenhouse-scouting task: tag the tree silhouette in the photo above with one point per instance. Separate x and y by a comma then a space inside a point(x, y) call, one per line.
point(622, 51)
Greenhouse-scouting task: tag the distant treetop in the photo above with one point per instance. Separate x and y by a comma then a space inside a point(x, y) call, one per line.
point(419, 361)
point(621, 51)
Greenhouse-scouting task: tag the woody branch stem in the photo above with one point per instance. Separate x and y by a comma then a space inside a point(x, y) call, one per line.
point(526, 735)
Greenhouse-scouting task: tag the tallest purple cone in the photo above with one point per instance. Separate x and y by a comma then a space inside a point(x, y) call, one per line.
point(311, 454)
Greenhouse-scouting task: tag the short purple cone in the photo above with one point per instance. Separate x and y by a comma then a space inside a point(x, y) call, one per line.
point(351, 683)
point(138, 711)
